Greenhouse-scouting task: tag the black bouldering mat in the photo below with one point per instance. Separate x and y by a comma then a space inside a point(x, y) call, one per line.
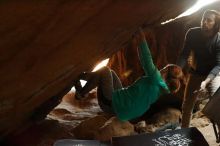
point(75, 142)
point(180, 137)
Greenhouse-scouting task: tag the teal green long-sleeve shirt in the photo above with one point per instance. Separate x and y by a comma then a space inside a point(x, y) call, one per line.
point(133, 101)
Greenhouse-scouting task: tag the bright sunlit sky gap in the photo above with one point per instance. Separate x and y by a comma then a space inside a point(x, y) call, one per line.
point(198, 5)
point(101, 64)
point(97, 67)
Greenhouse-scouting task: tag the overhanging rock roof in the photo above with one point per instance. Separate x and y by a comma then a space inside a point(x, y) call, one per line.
point(45, 44)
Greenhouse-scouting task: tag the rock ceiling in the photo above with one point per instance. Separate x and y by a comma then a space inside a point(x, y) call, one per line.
point(45, 44)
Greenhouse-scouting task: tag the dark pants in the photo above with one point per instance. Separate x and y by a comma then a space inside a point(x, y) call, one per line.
point(193, 84)
point(106, 80)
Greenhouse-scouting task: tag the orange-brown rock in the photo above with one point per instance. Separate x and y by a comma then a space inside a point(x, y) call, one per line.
point(87, 129)
point(114, 127)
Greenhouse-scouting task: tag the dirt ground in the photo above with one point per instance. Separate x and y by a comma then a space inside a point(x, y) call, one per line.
point(209, 135)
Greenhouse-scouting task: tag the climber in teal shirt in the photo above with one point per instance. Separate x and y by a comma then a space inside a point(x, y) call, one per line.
point(133, 101)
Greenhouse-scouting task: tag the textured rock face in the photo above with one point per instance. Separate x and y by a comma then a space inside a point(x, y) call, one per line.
point(102, 128)
point(114, 127)
point(88, 128)
point(45, 44)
